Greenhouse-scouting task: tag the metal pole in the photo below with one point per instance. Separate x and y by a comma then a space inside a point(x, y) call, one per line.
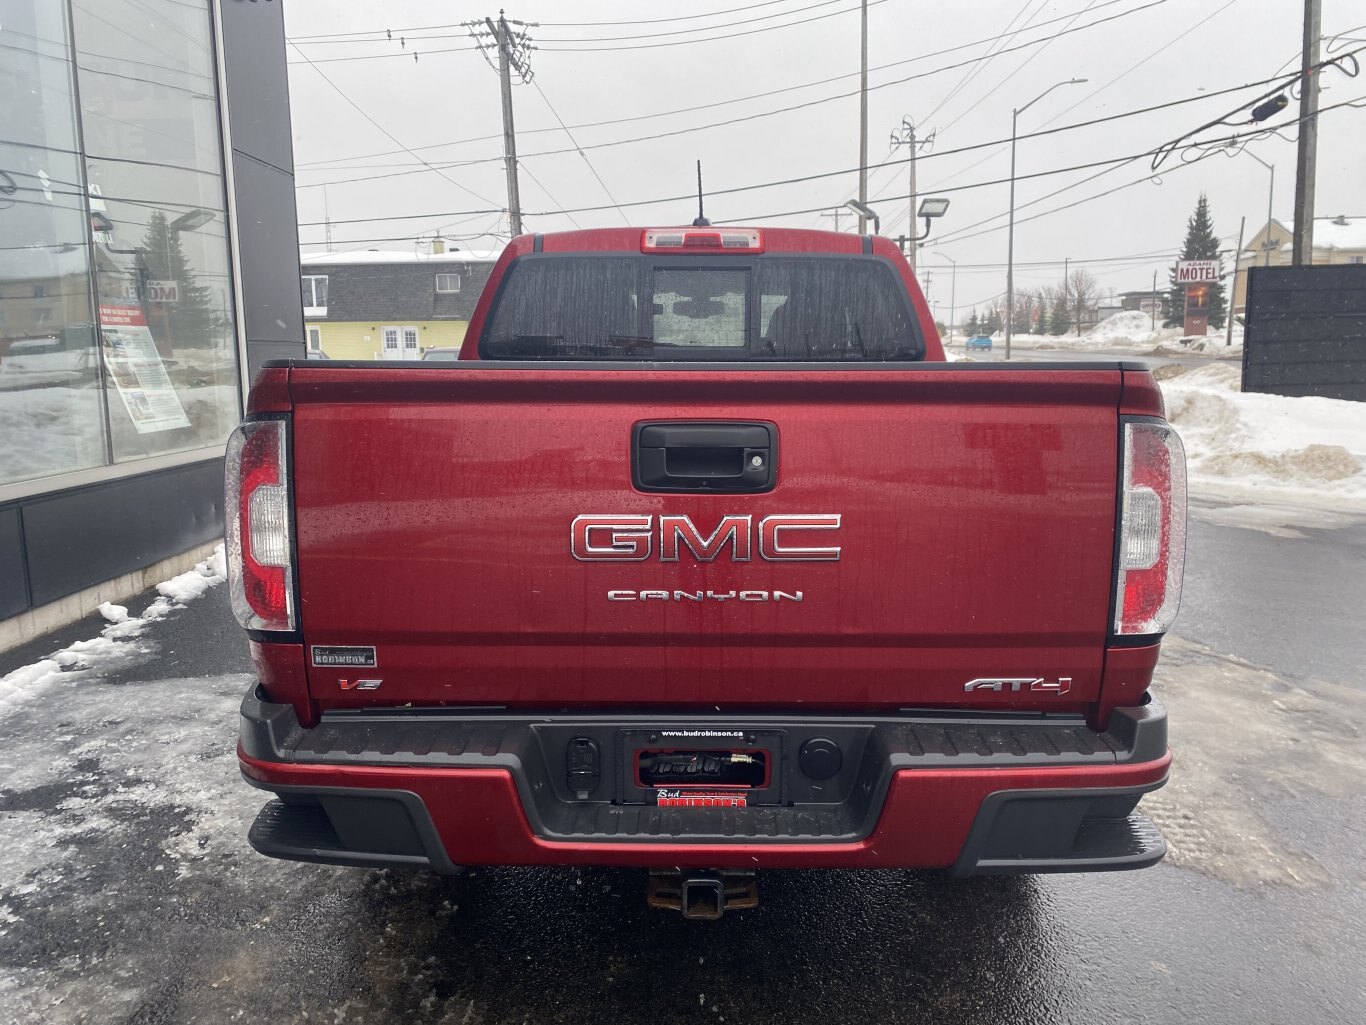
point(1302, 253)
point(911, 216)
point(500, 32)
point(953, 294)
point(1010, 243)
point(1153, 303)
point(1233, 292)
point(1270, 195)
point(1066, 302)
point(863, 123)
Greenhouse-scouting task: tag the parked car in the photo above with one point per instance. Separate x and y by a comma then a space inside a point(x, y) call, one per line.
point(978, 342)
point(694, 562)
point(442, 352)
point(317, 354)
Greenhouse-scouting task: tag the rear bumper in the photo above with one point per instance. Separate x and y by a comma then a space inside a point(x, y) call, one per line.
point(971, 794)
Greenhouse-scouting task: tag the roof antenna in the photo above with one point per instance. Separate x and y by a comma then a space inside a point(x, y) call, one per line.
point(701, 221)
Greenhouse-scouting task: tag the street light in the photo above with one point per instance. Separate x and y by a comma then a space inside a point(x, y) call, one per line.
point(1270, 194)
point(953, 289)
point(1010, 245)
point(865, 211)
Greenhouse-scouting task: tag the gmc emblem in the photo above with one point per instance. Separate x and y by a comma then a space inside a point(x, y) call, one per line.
point(785, 537)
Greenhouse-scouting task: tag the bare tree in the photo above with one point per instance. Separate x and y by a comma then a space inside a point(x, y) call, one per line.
point(1083, 293)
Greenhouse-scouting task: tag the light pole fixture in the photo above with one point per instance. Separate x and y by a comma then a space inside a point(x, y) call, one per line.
point(1010, 244)
point(930, 208)
point(192, 220)
point(865, 212)
point(1270, 195)
point(953, 289)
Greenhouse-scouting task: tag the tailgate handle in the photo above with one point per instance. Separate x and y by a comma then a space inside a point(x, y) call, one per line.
point(704, 456)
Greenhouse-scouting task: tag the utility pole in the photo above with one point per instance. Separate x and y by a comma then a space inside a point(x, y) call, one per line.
point(863, 123)
point(514, 54)
point(1066, 302)
point(1152, 303)
point(327, 222)
point(509, 132)
point(836, 213)
point(1302, 253)
point(1233, 292)
point(906, 137)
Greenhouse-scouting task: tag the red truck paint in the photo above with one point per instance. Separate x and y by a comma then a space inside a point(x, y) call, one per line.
point(434, 515)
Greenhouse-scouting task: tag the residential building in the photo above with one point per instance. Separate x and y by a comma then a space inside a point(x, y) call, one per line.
point(135, 297)
point(1336, 240)
point(390, 305)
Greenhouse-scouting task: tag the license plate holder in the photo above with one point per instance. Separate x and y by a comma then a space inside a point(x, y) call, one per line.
point(700, 767)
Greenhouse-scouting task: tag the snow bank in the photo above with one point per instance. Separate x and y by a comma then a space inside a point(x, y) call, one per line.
point(1133, 332)
point(1301, 449)
point(111, 647)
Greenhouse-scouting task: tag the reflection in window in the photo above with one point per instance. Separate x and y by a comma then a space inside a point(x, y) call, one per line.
point(155, 168)
point(51, 408)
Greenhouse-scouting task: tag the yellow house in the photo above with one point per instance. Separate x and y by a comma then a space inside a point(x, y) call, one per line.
point(379, 304)
point(1336, 240)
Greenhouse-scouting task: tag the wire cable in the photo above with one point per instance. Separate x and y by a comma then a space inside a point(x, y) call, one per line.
point(575, 143)
point(388, 134)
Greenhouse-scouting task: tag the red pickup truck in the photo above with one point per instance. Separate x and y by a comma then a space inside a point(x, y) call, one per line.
point(702, 559)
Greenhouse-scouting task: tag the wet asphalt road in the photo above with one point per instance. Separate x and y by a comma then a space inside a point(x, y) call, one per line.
point(128, 893)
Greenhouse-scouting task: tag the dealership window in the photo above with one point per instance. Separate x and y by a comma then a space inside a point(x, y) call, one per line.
point(150, 122)
point(315, 295)
point(52, 412)
point(117, 333)
point(448, 282)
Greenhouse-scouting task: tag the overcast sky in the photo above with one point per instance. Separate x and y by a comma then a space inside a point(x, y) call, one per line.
point(445, 106)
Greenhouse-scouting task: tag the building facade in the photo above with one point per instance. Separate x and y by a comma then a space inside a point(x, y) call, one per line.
point(125, 341)
point(1337, 240)
point(390, 305)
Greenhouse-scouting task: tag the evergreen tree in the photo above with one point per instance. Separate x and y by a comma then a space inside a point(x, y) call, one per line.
point(1201, 244)
point(191, 321)
point(993, 322)
point(1061, 320)
point(974, 325)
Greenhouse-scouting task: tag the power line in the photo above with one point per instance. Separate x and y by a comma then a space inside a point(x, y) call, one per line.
point(550, 195)
point(555, 24)
point(409, 37)
point(708, 28)
point(960, 237)
point(770, 92)
point(1359, 102)
point(884, 164)
point(575, 143)
point(388, 134)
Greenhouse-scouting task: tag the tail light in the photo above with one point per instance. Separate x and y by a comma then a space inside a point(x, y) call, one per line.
point(1152, 529)
point(259, 538)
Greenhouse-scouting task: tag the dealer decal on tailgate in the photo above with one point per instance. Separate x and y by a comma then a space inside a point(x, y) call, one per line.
point(699, 799)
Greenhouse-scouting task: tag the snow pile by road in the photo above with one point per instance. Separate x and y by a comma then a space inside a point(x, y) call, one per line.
point(1271, 446)
point(1133, 332)
point(112, 646)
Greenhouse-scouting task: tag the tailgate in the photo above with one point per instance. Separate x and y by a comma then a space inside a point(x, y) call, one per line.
point(976, 508)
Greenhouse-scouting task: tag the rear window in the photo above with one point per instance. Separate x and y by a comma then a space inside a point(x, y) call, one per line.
point(719, 308)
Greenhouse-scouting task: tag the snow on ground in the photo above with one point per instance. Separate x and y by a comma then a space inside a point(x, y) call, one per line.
point(1134, 332)
point(115, 645)
point(1250, 447)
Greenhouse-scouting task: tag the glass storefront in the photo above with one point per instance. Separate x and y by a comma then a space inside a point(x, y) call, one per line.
point(117, 333)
